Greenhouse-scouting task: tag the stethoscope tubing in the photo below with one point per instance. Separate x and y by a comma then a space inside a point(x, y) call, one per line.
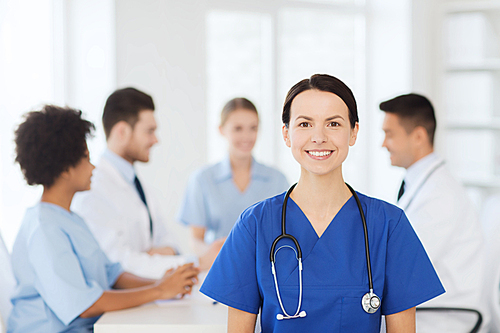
point(367, 244)
point(283, 228)
point(429, 174)
point(367, 299)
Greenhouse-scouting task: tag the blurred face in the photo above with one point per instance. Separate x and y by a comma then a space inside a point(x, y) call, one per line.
point(240, 130)
point(141, 138)
point(397, 141)
point(81, 173)
point(319, 133)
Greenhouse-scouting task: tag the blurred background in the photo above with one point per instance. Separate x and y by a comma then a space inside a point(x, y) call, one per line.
point(194, 55)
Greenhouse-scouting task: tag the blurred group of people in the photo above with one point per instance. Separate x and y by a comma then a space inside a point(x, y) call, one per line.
point(97, 240)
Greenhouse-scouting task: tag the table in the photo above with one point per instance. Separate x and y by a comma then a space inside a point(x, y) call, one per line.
point(195, 313)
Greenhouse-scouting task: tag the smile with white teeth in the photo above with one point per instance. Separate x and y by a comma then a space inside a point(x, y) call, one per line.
point(320, 153)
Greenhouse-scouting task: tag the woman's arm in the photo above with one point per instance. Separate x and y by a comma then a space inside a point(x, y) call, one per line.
point(172, 284)
point(401, 322)
point(198, 233)
point(164, 251)
point(240, 321)
point(129, 280)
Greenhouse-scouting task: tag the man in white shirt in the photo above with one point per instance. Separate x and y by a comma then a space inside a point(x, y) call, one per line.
point(439, 210)
point(121, 212)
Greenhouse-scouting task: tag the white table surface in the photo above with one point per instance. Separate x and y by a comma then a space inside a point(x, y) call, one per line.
point(195, 313)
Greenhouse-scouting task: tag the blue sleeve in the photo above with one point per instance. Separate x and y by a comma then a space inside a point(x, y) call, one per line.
point(232, 280)
point(59, 278)
point(193, 208)
point(113, 271)
point(410, 276)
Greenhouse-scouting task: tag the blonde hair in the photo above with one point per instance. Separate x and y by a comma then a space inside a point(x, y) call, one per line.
point(236, 104)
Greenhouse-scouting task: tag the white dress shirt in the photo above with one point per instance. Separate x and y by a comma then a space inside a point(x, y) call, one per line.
point(119, 219)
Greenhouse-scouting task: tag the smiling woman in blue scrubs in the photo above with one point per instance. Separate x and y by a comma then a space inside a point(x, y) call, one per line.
point(320, 124)
point(64, 280)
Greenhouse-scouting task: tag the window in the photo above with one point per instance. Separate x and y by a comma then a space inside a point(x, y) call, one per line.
point(260, 55)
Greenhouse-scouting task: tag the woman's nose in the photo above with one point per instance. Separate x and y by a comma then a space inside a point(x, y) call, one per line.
point(319, 136)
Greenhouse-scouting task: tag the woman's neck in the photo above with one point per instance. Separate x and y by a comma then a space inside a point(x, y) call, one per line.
point(323, 194)
point(58, 195)
point(321, 197)
point(239, 163)
point(241, 170)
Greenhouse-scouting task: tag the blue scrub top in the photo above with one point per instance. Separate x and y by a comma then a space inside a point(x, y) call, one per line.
point(60, 271)
point(213, 201)
point(334, 267)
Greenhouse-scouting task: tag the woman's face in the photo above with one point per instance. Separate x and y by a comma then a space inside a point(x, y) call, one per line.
point(240, 130)
point(319, 133)
point(81, 173)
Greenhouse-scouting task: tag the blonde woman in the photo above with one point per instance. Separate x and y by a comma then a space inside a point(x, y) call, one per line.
point(217, 194)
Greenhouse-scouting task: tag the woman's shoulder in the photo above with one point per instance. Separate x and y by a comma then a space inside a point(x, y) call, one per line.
point(264, 169)
point(263, 206)
point(377, 202)
point(45, 220)
point(209, 171)
point(380, 208)
point(261, 212)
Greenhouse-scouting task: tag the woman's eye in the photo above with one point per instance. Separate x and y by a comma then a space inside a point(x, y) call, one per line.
point(304, 124)
point(334, 124)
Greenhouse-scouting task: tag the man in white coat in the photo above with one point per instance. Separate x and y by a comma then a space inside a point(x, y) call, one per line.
point(439, 210)
point(121, 211)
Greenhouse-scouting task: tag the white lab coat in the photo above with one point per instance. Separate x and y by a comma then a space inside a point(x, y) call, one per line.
point(444, 219)
point(490, 219)
point(119, 221)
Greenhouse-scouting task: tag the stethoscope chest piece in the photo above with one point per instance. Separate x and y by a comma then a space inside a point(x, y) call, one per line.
point(370, 302)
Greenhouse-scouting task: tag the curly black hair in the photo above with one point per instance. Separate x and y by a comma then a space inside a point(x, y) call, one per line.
point(49, 142)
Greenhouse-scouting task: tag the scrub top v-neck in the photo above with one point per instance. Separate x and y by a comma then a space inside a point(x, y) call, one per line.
point(334, 275)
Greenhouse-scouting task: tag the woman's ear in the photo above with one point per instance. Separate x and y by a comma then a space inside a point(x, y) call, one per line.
point(286, 135)
point(354, 134)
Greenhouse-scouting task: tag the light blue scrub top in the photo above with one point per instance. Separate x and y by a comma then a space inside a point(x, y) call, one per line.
point(334, 267)
point(60, 271)
point(213, 201)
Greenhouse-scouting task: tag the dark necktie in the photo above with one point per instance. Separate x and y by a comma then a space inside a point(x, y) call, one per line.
point(143, 198)
point(401, 190)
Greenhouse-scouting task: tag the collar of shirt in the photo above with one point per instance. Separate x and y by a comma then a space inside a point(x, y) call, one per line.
point(224, 172)
point(414, 172)
point(57, 208)
point(125, 168)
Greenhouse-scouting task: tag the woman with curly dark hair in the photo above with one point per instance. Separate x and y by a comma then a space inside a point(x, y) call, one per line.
point(64, 280)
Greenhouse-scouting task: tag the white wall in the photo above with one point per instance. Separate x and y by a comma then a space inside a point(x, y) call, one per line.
point(26, 81)
point(389, 75)
point(161, 49)
point(89, 71)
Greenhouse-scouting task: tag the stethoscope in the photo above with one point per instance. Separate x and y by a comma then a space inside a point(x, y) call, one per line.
point(429, 174)
point(370, 302)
